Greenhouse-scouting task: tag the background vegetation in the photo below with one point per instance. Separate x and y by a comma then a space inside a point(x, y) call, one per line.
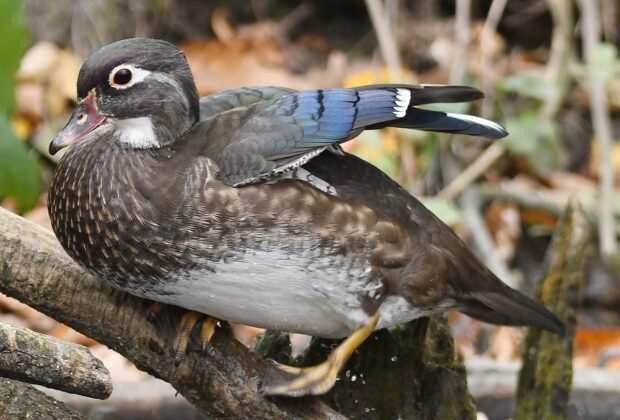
point(550, 71)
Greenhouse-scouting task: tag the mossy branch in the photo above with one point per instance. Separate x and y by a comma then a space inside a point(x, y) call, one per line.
point(546, 377)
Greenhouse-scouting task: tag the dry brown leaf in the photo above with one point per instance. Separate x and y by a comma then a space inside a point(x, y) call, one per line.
point(29, 101)
point(38, 62)
point(217, 67)
point(505, 343)
point(31, 318)
point(223, 30)
point(61, 91)
point(592, 346)
point(66, 333)
point(466, 331)
point(504, 223)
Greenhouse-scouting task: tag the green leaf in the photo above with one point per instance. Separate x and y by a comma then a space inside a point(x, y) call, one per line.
point(13, 39)
point(535, 139)
point(529, 85)
point(19, 173)
point(604, 56)
point(605, 60)
point(442, 208)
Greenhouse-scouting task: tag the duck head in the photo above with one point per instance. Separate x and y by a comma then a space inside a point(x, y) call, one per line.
point(139, 92)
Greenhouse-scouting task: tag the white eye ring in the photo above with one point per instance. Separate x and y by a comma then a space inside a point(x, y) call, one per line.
point(137, 75)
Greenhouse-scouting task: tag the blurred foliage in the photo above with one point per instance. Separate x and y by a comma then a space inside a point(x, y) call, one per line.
point(528, 85)
point(536, 139)
point(446, 210)
point(19, 173)
point(532, 135)
point(606, 61)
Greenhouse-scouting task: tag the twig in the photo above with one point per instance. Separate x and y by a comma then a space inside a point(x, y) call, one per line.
point(461, 38)
point(482, 238)
point(389, 51)
point(557, 71)
point(610, 23)
point(486, 36)
point(39, 359)
point(521, 197)
point(590, 29)
point(294, 18)
point(387, 43)
point(490, 155)
point(21, 401)
point(497, 149)
point(223, 382)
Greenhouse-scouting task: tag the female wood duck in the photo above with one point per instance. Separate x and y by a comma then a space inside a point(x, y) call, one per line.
point(243, 206)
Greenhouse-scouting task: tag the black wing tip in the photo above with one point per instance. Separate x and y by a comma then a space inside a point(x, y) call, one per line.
point(509, 307)
point(497, 134)
point(556, 326)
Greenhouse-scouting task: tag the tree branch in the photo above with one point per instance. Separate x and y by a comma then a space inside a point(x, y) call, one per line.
point(43, 360)
point(387, 43)
point(223, 382)
point(21, 401)
point(597, 81)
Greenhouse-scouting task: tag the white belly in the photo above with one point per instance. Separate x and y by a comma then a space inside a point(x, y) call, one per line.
point(270, 290)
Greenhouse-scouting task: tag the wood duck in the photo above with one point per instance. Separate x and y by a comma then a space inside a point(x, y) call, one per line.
point(242, 205)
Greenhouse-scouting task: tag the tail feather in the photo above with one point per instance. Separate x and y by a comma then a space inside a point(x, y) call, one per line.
point(509, 307)
point(382, 106)
point(432, 94)
point(445, 122)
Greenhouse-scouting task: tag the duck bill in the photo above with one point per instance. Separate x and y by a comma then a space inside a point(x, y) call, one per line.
point(84, 119)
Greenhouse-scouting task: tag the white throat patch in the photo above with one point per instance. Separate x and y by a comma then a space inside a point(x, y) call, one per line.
point(136, 132)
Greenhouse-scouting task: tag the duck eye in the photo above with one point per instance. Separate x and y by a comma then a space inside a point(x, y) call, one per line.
point(121, 77)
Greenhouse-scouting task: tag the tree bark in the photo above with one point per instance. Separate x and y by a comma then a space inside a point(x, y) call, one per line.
point(409, 371)
point(546, 376)
point(43, 360)
point(21, 401)
point(223, 382)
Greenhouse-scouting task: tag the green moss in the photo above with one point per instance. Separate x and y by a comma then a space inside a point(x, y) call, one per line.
point(546, 376)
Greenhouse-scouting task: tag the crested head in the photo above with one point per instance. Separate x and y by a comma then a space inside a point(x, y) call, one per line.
point(139, 90)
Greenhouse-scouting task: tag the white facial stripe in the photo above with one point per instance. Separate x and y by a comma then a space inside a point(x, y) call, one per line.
point(166, 78)
point(136, 132)
point(137, 75)
point(403, 98)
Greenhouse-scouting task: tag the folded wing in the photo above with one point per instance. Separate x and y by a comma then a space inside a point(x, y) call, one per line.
point(253, 139)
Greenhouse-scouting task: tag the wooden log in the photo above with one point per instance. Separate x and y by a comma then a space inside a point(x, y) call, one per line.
point(21, 401)
point(409, 371)
point(43, 360)
point(546, 376)
point(223, 383)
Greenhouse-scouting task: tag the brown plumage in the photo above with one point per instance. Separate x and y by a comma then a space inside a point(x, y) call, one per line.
point(243, 206)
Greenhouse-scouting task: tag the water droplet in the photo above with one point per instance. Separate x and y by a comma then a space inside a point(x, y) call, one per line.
point(353, 378)
point(394, 358)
